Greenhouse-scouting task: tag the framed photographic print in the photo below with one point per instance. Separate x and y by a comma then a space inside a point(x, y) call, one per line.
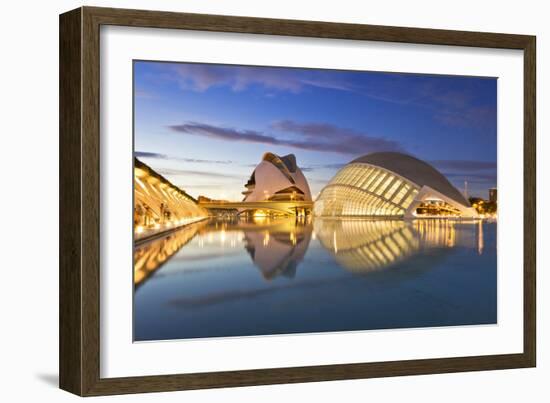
point(249, 201)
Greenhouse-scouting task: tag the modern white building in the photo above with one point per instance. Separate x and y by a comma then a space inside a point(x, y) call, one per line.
point(277, 179)
point(391, 184)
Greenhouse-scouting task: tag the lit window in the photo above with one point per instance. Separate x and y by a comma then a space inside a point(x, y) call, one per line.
point(373, 177)
point(385, 184)
point(375, 184)
point(393, 188)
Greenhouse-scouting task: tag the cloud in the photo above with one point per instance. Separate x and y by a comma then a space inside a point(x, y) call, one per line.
point(329, 84)
point(308, 136)
point(468, 116)
point(464, 165)
point(473, 177)
point(473, 171)
point(202, 77)
point(216, 132)
point(328, 137)
point(321, 181)
point(145, 154)
point(331, 166)
point(457, 107)
point(139, 93)
point(450, 107)
point(187, 172)
point(322, 166)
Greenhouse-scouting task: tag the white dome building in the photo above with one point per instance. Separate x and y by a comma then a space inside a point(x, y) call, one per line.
point(391, 184)
point(277, 179)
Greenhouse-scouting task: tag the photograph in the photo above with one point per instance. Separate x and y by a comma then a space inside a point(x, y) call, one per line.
point(280, 200)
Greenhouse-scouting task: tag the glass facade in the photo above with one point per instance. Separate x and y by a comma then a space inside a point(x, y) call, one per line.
point(360, 189)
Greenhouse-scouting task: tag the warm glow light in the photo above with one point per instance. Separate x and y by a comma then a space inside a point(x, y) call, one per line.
point(293, 238)
point(260, 219)
point(480, 238)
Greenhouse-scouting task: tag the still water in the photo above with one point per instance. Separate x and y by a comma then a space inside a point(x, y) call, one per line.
point(274, 276)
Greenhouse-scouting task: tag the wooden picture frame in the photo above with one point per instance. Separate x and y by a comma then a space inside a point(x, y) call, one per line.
point(79, 346)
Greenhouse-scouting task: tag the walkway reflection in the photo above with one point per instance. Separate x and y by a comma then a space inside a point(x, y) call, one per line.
point(150, 256)
point(370, 245)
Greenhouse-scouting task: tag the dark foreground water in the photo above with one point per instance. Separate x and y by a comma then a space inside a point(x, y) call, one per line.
point(238, 278)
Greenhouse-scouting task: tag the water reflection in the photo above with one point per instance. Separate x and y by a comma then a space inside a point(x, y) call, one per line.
point(150, 256)
point(277, 246)
point(370, 245)
point(278, 250)
point(261, 276)
point(362, 245)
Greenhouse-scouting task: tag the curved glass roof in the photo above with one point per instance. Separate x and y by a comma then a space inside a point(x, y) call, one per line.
point(415, 170)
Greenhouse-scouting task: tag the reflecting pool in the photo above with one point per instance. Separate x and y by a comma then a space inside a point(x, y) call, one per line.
point(235, 277)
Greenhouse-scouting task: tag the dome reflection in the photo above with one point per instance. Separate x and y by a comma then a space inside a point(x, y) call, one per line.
point(370, 245)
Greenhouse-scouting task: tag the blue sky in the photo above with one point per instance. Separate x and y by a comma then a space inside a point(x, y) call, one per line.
point(205, 127)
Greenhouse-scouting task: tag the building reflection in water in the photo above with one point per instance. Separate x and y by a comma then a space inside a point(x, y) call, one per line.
point(150, 256)
point(369, 245)
point(277, 246)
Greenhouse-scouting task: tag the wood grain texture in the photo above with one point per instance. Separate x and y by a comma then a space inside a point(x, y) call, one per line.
point(80, 196)
point(316, 29)
point(70, 270)
point(530, 202)
point(90, 202)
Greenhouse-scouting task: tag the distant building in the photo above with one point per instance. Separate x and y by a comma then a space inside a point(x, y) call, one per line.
point(277, 179)
point(391, 184)
point(493, 195)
